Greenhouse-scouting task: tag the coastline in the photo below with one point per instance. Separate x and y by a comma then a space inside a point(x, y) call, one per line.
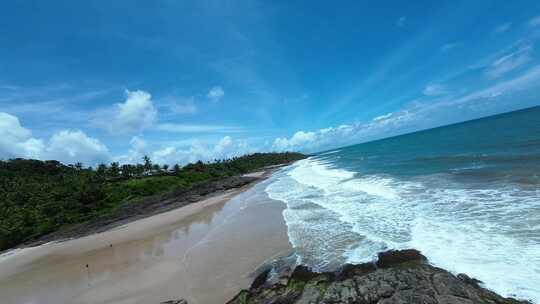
point(201, 252)
point(155, 205)
point(395, 277)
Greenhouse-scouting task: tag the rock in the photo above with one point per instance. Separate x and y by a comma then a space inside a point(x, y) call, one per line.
point(303, 273)
point(394, 257)
point(260, 279)
point(180, 301)
point(465, 278)
point(398, 277)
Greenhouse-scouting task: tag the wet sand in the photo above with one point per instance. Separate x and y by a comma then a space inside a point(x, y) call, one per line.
point(205, 253)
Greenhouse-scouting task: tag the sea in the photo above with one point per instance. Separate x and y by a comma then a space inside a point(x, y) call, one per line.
point(466, 195)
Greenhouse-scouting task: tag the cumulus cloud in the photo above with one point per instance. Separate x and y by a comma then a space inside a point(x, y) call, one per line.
point(225, 148)
point(71, 146)
point(138, 149)
point(15, 140)
point(187, 152)
point(68, 146)
point(133, 115)
point(509, 62)
point(434, 90)
point(386, 125)
point(215, 94)
point(299, 139)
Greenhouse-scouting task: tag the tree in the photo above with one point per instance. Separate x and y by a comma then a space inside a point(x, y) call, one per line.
point(114, 169)
point(147, 163)
point(176, 168)
point(127, 171)
point(101, 170)
point(165, 167)
point(139, 169)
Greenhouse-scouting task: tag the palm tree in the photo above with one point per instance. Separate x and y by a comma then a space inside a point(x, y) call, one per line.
point(147, 163)
point(114, 169)
point(127, 171)
point(101, 170)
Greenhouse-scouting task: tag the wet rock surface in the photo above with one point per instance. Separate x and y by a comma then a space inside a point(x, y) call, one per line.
point(402, 276)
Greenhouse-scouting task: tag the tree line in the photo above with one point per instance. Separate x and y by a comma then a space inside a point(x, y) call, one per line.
point(39, 197)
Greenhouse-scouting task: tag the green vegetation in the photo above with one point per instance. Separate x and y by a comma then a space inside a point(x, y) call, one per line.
point(39, 197)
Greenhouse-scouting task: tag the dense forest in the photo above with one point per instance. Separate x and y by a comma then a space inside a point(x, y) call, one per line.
point(38, 197)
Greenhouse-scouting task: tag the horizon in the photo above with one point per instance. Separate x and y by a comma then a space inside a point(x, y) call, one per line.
point(182, 82)
point(337, 149)
point(429, 129)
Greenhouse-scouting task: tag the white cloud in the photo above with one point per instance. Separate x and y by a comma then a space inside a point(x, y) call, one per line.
point(386, 125)
point(134, 115)
point(71, 146)
point(381, 117)
point(502, 28)
point(180, 105)
point(509, 62)
point(434, 90)
point(503, 96)
point(135, 153)
point(401, 21)
point(195, 128)
point(215, 94)
point(67, 146)
point(527, 80)
point(184, 108)
point(225, 148)
point(15, 140)
point(534, 21)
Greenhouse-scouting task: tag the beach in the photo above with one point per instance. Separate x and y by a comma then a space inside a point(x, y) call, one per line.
point(204, 252)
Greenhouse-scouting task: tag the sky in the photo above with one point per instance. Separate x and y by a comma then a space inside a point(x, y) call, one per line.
point(180, 81)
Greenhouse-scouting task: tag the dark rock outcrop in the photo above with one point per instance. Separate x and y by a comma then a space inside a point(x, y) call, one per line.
point(180, 301)
point(397, 277)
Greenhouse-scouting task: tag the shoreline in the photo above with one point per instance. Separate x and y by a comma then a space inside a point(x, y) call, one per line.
point(396, 276)
point(201, 252)
point(158, 204)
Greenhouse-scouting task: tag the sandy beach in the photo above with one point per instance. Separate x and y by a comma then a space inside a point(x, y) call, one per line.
point(204, 252)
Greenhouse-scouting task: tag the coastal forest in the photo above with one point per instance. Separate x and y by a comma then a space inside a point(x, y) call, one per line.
point(39, 197)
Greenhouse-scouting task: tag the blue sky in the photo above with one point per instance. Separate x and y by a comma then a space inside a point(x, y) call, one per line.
point(101, 81)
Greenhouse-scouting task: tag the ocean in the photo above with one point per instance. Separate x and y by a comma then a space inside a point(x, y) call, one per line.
point(466, 195)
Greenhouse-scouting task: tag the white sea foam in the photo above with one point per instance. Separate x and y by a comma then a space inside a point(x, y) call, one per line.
point(329, 152)
point(335, 216)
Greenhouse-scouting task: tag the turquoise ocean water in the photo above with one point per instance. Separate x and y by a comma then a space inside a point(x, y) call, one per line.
point(466, 195)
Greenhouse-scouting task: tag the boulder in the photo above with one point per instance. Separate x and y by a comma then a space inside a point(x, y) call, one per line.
point(397, 277)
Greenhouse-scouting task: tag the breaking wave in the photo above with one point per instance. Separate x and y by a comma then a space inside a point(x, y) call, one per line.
point(336, 216)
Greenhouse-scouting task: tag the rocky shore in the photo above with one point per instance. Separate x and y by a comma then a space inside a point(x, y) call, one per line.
point(402, 276)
